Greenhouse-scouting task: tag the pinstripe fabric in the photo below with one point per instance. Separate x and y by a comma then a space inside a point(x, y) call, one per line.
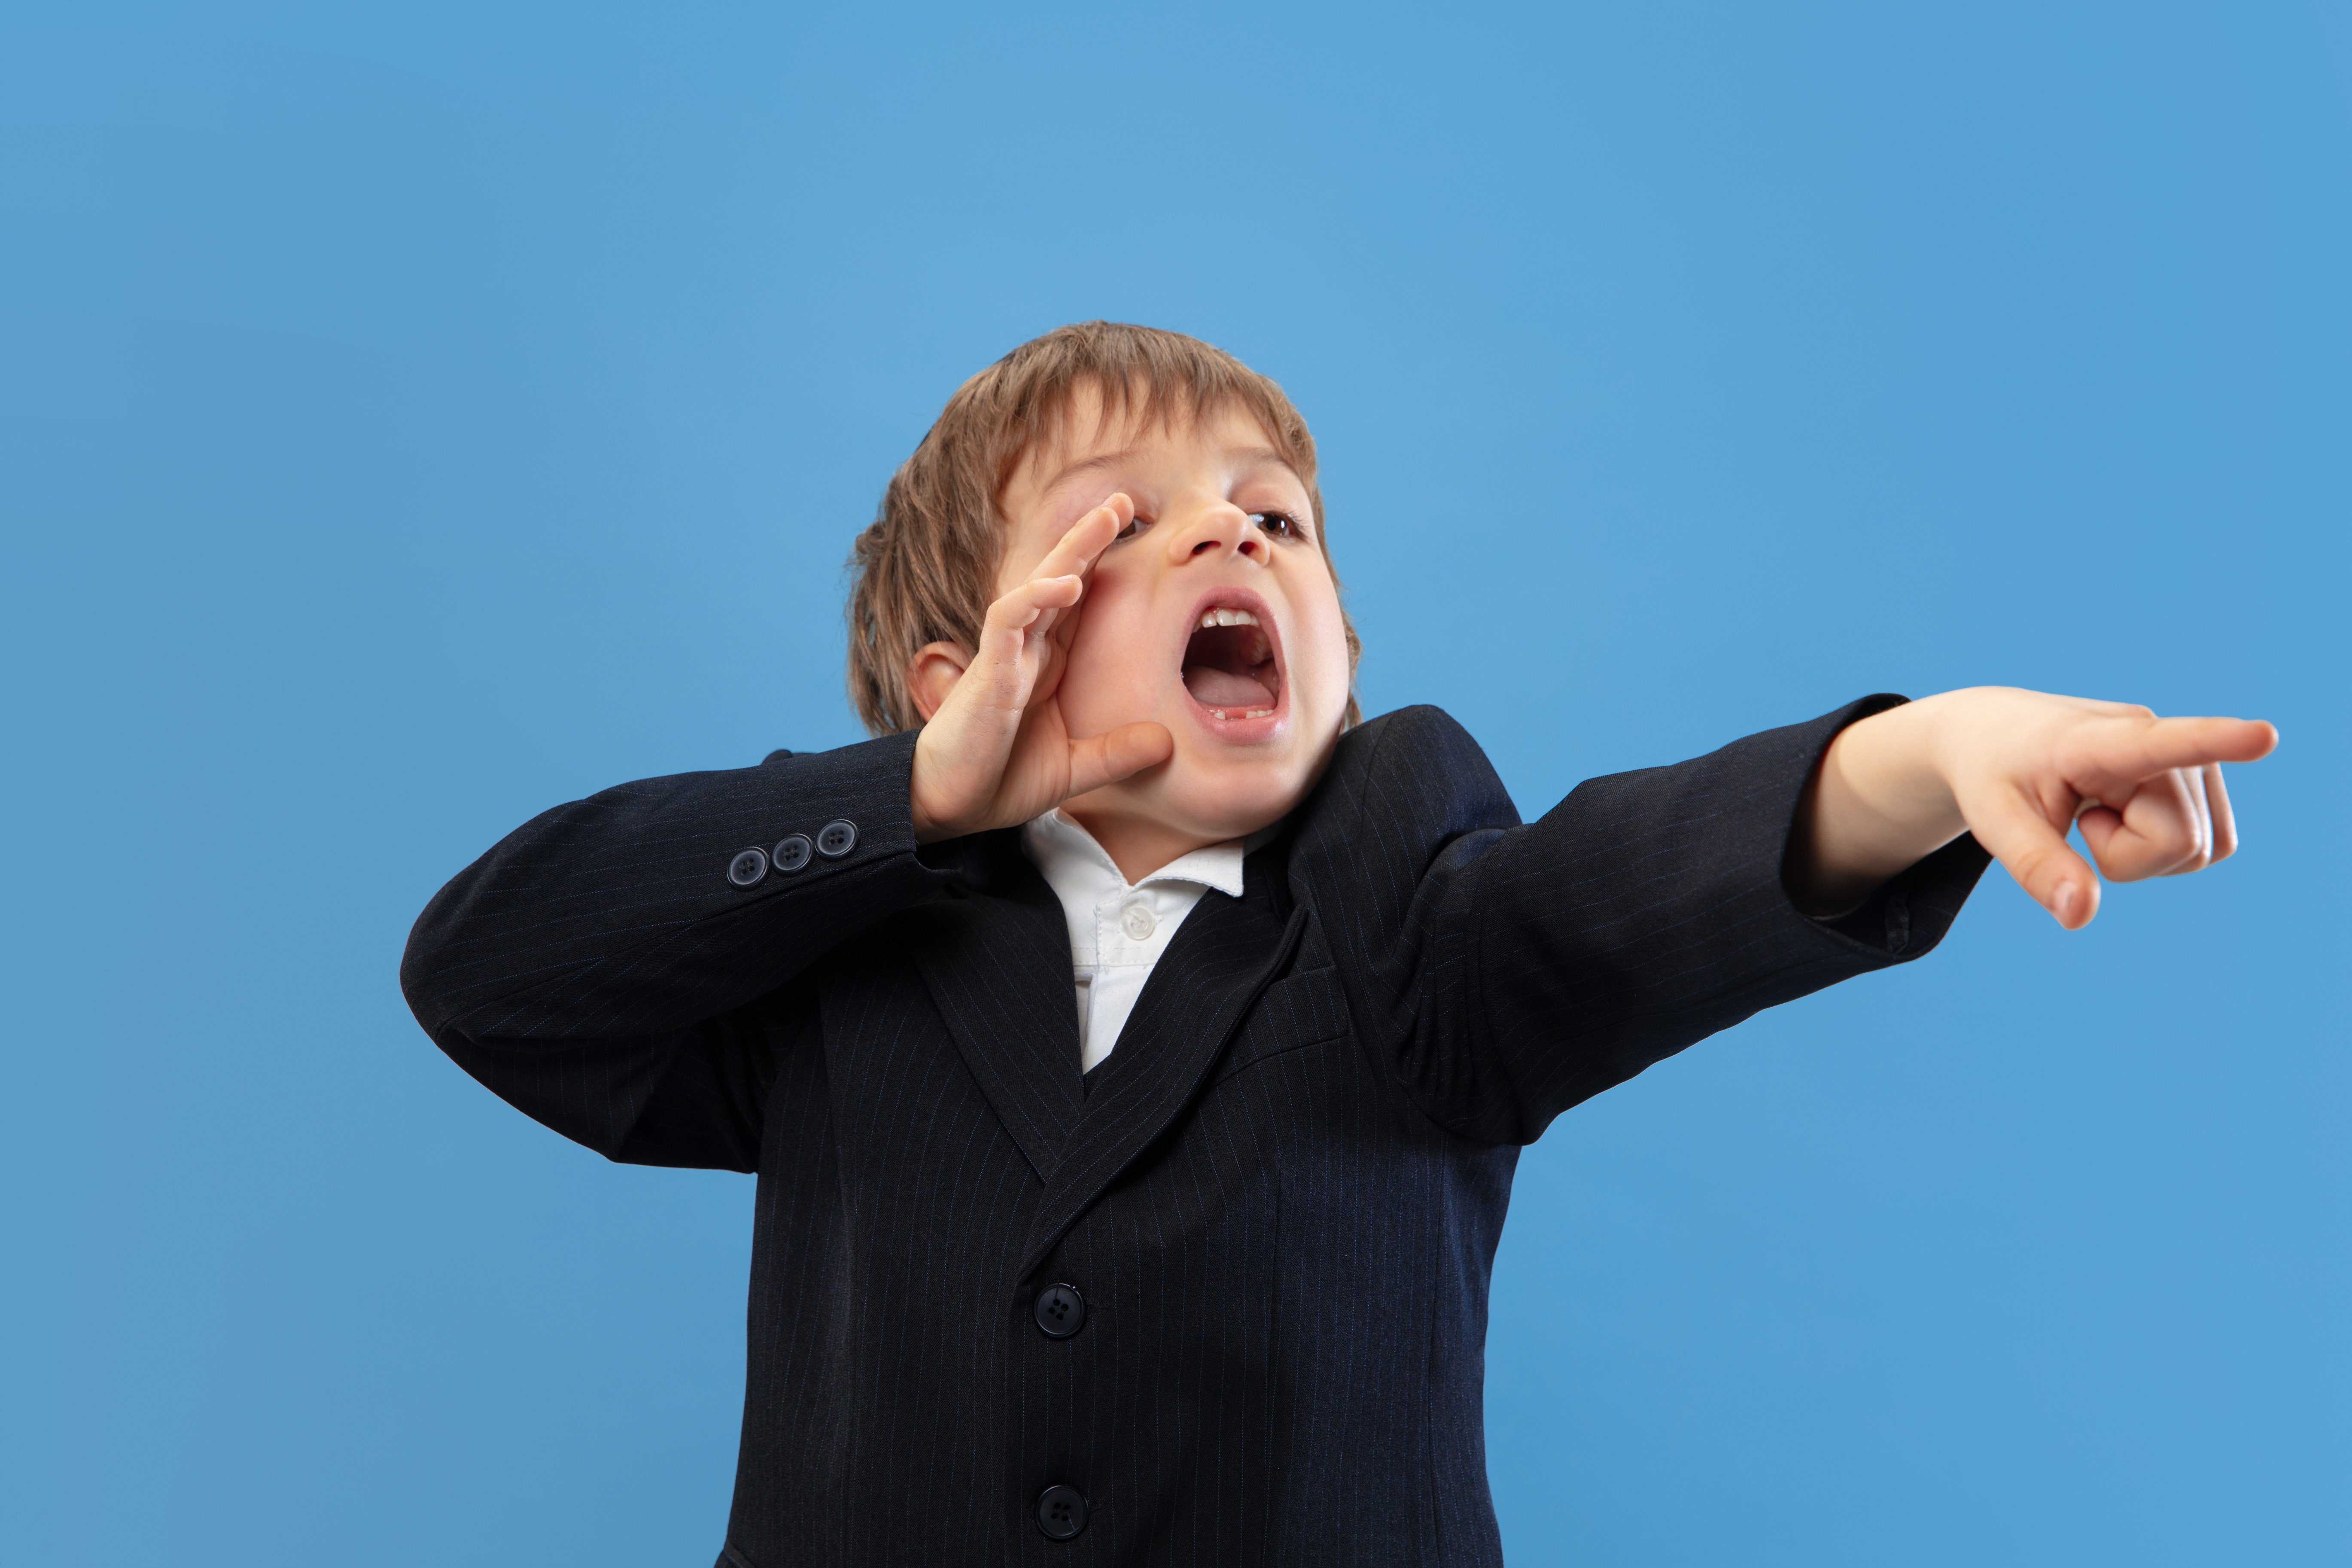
point(1279, 1198)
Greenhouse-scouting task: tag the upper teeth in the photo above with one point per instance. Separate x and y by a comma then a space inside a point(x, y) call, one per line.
point(1226, 618)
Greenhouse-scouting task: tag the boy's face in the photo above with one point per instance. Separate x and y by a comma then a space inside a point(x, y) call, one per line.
point(1213, 614)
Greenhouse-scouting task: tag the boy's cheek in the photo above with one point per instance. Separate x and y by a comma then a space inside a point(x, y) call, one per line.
point(1111, 680)
point(1319, 668)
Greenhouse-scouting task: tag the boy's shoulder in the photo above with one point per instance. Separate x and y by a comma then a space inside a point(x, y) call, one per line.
point(1399, 789)
point(1410, 769)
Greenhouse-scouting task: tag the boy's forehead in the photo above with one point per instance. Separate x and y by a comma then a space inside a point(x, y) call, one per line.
point(1089, 434)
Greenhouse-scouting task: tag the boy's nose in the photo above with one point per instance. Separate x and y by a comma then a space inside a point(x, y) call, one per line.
point(1215, 532)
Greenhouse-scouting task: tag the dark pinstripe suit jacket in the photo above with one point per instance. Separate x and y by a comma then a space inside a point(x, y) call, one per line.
point(1279, 1198)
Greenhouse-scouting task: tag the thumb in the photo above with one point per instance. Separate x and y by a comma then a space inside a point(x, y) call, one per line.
point(2019, 834)
point(1105, 759)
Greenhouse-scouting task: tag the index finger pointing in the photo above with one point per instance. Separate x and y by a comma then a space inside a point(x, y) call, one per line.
point(2131, 750)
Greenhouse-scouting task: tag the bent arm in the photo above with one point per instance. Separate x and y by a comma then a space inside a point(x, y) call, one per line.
point(602, 971)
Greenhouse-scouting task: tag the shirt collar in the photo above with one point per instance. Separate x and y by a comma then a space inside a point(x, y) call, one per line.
point(1062, 851)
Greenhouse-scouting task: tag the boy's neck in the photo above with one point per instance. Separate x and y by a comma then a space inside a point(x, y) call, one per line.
point(1138, 846)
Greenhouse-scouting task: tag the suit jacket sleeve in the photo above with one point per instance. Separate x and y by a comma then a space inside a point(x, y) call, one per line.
point(1529, 967)
point(598, 970)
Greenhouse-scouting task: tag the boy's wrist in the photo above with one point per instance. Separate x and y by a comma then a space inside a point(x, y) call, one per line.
point(928, 824)
point(1897, 778)
point(1880, 801)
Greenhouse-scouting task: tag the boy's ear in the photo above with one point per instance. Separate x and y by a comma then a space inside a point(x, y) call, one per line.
point(933, 674)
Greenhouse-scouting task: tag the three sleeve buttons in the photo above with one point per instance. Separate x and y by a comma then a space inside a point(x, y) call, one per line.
point(749, 868)
point(1060, 1310)
point(1061, 1513)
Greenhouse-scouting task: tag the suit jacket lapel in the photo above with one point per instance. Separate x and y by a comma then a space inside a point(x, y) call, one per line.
point(997, 961)
point(1225, 954)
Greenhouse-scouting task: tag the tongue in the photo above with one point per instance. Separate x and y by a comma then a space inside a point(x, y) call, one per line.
point(1226, 689)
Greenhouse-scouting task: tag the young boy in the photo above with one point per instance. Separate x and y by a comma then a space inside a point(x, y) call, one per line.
point(1195, 1269)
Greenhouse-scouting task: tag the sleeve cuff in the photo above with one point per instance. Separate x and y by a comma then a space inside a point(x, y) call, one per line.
point(1912, 910)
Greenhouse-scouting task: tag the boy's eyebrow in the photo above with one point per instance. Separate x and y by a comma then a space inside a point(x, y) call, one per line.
point(1267, 455)
point(1088, 464)
point(1244, 455)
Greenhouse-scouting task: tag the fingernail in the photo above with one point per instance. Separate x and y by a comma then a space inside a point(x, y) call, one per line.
point(2062, 902)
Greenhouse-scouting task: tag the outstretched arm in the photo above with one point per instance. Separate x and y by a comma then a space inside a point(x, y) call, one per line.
point(2017, 769)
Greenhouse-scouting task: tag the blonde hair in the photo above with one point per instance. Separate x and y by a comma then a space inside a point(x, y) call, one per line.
point(925, 570)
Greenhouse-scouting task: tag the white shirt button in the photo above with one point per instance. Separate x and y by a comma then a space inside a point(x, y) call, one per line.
point(1138, 923)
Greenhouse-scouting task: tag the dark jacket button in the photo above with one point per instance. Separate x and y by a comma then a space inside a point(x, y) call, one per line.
point(1061, 1311)
point(1061, 1513)
point(791, 854)
point(748, 868)
point(837, 838)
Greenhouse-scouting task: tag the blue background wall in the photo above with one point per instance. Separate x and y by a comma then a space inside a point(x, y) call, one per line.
point(414, 416)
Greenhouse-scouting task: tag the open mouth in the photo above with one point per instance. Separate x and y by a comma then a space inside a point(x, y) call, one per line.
point(1229, 665)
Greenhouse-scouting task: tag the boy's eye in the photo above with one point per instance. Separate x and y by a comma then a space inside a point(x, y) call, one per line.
point(1277, 524)
point(1132, 529)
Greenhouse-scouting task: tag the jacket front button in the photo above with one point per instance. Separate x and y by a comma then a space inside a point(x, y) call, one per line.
point(1061, 1311)
point(749, 868)
point(837, 838)
point(1061, 1513)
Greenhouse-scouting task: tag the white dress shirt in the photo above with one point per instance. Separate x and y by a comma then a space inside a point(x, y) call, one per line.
point(1119, 929)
